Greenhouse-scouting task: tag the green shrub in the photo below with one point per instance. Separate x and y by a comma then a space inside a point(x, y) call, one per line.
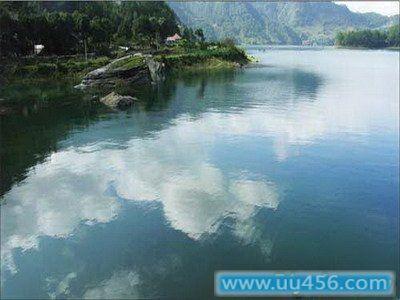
point(134, 61)
point(59, 67)
point(46, 68)
point(230, 53)
point(26, 70)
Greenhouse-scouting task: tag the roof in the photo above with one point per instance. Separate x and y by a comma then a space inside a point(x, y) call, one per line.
point(173, 38)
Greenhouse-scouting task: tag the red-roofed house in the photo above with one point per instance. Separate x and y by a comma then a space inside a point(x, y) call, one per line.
point(173, 39)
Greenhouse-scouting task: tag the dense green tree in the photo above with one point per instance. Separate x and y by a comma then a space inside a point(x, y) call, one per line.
point(199, 34)
point(81, 30)
point(66, 27)
point(393, 36)
point(188, 34)
point(370, 38)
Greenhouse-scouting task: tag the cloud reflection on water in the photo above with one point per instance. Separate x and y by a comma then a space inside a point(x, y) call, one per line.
point(174, 165)
point(71, 188)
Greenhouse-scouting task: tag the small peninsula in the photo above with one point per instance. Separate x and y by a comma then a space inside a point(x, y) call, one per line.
point(104, 43)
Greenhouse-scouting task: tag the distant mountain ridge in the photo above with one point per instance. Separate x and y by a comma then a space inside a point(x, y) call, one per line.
point(275, 22)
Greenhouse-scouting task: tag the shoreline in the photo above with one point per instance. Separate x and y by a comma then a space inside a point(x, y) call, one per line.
point(32, 69)
point(101, 75)
point(366, 48)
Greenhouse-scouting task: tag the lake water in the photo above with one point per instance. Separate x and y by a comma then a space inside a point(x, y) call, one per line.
point(292, 164)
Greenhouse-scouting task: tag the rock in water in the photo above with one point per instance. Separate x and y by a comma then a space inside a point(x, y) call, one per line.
point(115, 100)
point(107, 76)
point(136, 68)
point(156, 70)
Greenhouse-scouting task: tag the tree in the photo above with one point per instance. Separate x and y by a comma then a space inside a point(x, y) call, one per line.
point(101, 30)
point(363, 38)
point(229, 42)
point(200, 35)
point(393, 36)
point(66, 27)
point(188, 34)
point(81, 29)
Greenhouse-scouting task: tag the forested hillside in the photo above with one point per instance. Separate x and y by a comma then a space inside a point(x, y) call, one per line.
point(275, 22)
point(69, 27)
point(370, 38)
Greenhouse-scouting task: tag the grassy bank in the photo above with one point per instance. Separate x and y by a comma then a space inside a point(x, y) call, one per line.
point(210, 64)
point(190, 58)
point(54, 67)
point(210, 57)
point(179, 57)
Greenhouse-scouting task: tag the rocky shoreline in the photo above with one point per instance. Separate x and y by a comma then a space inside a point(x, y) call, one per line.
point(141, 69)
point(145, 70)
point(105, 75)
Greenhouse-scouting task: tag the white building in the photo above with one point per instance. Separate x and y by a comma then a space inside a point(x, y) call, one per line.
point(38, 48)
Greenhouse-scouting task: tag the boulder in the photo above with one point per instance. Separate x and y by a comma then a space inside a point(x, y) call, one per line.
point(115, 100)
point(121, 70)
point(156, 70)
point(107, 76)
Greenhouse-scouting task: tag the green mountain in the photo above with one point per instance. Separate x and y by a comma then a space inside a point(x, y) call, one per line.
point(274, 22)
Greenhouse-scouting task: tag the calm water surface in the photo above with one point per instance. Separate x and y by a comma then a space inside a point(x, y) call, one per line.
point(290, 165)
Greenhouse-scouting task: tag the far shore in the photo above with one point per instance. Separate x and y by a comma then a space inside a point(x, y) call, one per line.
point(367, 48)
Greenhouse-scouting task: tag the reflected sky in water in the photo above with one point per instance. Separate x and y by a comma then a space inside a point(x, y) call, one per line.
point(292, 165)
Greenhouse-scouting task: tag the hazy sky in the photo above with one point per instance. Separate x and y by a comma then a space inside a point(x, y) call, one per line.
point(383, 7)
